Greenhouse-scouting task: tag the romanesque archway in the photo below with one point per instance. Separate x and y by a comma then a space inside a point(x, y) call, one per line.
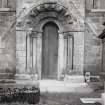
point(48, 16)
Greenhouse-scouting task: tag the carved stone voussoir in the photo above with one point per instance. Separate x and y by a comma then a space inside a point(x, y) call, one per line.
point(48, 7)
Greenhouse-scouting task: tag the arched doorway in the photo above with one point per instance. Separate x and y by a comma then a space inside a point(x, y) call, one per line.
point(50, 51)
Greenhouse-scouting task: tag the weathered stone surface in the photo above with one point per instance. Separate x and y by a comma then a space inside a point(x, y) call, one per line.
point(103, 55)
point(87, 47)
point(7, 40)
point(78, 52)
point(71, 17)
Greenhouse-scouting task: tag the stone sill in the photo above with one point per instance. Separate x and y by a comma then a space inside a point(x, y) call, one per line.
point(98, 10)
point(6, 10)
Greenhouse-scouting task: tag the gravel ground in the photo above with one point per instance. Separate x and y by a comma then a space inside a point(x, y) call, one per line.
point(61, 99)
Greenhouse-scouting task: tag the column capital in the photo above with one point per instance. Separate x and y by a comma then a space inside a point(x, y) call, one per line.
point(36, 35)
point(60, 36)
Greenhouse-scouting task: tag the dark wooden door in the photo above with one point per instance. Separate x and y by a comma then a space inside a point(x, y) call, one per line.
point(50, 51)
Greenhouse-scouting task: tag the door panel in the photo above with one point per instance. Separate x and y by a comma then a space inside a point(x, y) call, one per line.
point(50, 51)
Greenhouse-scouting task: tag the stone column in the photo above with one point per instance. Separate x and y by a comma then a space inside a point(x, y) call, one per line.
point(65, 52)
point(4, 3)
point(39, 54)
point(103, 98)
point(34, 54)
point(70, 52)
point(60, 55)
point(28, 64)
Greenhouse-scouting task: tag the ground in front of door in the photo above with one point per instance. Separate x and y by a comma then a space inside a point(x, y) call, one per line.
point(62, 98)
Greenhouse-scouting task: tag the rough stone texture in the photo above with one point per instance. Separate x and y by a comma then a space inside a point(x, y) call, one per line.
point(76, 29)
point(103, 55)
point(21, 51)
point(78, 52)
point(93, 45)
point(87, 52)
point(93, 53)
point(7, 38)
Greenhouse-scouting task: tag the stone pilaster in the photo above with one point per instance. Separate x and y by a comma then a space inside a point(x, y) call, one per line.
point(21, 52)
point(60, 55)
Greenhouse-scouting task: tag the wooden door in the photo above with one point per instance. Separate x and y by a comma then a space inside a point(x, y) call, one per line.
point(50, 51)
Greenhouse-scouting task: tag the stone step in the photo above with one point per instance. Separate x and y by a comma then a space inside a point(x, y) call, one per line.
point(74, 78)
point(6, 76)
point(62, 86)
point(7, 81)
point(49, 85)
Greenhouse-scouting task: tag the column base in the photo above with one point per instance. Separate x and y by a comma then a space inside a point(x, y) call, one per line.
point(74, 78)
point(23, 77)
point(7, 78)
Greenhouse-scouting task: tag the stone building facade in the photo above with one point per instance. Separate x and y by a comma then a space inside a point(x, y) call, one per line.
point(102, 36)
point(103, 52)
point(51, 37)
point(7, 38)
point(95, 16)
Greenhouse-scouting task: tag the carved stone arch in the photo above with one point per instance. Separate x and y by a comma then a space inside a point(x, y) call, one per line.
point(45, 7)
point(48, 11)
point(37, 18)
point(34, 21)
point(54, 21)
point(31, 17)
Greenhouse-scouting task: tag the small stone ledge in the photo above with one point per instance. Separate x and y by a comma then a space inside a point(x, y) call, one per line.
point(98, 10)
point(22, 77)
point(6, 81)
point(6, 76)
point(74, 78)
point(2, 10)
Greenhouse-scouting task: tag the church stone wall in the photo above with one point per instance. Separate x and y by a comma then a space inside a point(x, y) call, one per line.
point(7, 36)
point(78, 60)
point(87, 53)
point(77, 29)
point(93, 45)
point(103, 55)
point(93, 54)
point(21, 51)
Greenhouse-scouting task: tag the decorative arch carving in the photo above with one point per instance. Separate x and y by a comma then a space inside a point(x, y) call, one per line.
point(48, 7)
point(33, 24)
point(48, 12)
